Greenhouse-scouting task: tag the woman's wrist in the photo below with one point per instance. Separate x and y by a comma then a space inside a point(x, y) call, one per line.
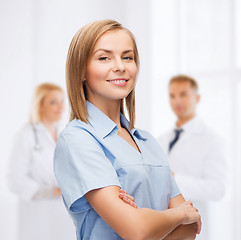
point(187, 214)
point(178, 215)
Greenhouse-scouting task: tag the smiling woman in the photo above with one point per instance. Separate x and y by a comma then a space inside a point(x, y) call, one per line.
point(111, 72)
point(100, 151)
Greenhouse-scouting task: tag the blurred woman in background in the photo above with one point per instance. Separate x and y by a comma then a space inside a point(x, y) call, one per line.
point(41, 212)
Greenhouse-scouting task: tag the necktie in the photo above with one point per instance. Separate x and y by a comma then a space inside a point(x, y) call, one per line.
point(172, 143)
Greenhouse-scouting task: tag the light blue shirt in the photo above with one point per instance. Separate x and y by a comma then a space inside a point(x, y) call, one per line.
point(91, 156)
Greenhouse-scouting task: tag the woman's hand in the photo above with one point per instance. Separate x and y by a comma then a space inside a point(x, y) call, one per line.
point(190, 214)
point(127, 198)
point(56, 192)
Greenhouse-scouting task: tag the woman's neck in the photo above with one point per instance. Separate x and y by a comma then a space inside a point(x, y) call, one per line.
point(51, 127)
point(110, 109)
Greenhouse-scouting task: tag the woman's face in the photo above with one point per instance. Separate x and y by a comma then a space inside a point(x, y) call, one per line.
point(111, 72)
point(52, 106)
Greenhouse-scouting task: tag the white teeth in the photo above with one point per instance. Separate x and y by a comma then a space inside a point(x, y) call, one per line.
point(118, 81)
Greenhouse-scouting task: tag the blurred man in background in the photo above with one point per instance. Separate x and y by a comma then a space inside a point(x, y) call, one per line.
point(196, 154)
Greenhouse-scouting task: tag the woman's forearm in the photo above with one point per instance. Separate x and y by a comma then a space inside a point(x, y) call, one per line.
point(183, 232)
point(157, 224)
point(138, 224)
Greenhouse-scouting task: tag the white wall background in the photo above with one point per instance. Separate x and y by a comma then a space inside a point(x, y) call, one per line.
point(200, 38)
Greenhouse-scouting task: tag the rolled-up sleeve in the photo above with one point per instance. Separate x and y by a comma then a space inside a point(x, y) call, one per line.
point(81, 165)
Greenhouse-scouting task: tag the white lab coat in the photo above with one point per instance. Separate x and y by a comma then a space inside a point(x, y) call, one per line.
point(198, 160)
point(31, 172)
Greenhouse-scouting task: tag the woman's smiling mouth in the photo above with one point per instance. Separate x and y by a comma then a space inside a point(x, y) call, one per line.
point(121, 82)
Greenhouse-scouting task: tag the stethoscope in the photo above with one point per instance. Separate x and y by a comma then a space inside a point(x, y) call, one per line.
point(37, 145)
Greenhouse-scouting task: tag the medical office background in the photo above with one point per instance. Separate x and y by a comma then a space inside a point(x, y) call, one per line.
point(201, 38)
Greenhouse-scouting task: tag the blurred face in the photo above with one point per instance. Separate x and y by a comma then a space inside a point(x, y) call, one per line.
point(183, 99)
point(52, 106)
point(111, 73)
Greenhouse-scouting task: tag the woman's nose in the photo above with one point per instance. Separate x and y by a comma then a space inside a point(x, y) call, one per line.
point(61, 105)
point(118, 66)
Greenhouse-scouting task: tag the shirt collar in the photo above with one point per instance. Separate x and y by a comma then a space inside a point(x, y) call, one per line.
point(192, 126)
point(104, 125)
point(39, 126)
point(133, 131)
point(136, 132)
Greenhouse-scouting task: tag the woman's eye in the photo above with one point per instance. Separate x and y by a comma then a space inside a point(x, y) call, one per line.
point(53, 102)
point(103, 58)
point(128, 58)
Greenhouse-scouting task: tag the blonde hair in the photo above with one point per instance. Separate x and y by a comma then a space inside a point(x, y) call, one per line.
point(40, 93)
point(79, 54)
point(184, 78)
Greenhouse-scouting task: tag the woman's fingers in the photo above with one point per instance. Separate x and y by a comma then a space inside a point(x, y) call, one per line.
point(130, 197)
point(195, 209)
point(123, 191)
point(189, 202)
point(191, 214)
point(127, 198)
point(199, 226)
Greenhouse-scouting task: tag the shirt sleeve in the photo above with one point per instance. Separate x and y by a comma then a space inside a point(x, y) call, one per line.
point(175, 191)
point(81, 165)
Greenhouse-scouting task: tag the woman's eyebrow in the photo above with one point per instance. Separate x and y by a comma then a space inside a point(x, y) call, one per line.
point(127, 51)
point(102, 49)
point(110, 51)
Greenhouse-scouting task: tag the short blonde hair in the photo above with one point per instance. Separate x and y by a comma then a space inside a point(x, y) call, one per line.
point(79, 54)
point(40, 93)
point(184, 78)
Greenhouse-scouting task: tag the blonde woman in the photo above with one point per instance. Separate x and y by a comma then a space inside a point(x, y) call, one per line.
point(100, 151)
point(31, 177)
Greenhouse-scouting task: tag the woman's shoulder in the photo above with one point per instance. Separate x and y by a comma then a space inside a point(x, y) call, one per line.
point(79, 131)
point(31, 127)
point(25, 129)
point(76, 125)
point(80, 137)
point(24, 135)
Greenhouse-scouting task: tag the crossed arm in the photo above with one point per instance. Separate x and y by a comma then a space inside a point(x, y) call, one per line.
point(182, 232)
point(177, 222)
